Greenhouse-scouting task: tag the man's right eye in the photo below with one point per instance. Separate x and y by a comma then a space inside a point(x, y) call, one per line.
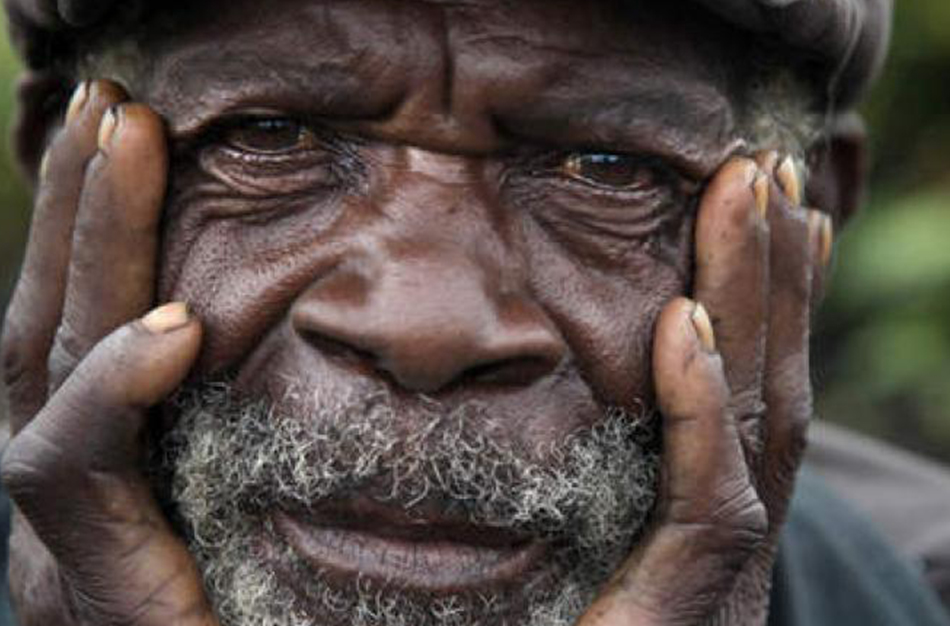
point(269, 136)
point(272, 156)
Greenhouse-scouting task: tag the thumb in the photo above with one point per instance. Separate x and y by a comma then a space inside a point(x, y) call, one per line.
point(75, 474)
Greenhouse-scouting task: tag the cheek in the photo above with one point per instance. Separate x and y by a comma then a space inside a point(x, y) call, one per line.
point(241, 275)
point(607, 315)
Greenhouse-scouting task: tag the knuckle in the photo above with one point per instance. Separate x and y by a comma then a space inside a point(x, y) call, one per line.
point(16, 355)
point(29, 465)
point(751, 415)
point(748, 401)
point(67, 351)
point(743, 513)
point(792, 393)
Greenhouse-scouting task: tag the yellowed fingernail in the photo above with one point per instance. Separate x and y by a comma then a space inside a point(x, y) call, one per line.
point(767, 160)
point(760, 188)
point(77, 101)
point(107, 127)
point(821, 236)
point(787, 175)
point(44, 166)
point(826, 240)
point(704, 329)
point(167, 318)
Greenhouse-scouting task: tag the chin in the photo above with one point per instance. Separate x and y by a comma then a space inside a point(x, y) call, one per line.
point(338, 517)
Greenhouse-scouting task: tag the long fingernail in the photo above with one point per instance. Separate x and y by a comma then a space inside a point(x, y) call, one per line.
point(107, 127)
point(44, 166)
point(704, 329)
point(826, 239)
point(787, 176)
point(821, 236)
point(77, 101)
point(167, 318)
point(760, 188)
point(767, 160)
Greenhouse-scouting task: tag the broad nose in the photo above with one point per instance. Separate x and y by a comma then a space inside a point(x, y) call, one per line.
point(430, 322)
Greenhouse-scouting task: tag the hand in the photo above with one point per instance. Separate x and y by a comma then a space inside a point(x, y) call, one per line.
point(732, 383)
point(89, 544)
point(89, 270)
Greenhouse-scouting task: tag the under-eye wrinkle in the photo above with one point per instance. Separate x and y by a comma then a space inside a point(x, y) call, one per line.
point(268, 156)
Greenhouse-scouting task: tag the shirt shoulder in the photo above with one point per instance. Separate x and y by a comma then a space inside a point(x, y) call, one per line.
point(836, 569)
point(905, 496)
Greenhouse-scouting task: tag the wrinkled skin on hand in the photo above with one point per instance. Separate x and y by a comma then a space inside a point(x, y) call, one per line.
point(728, 371)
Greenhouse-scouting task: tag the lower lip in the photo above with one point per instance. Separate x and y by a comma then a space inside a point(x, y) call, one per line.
point(438, 566)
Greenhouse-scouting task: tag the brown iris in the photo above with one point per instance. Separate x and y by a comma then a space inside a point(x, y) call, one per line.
point(608, 170)
point(269, 136)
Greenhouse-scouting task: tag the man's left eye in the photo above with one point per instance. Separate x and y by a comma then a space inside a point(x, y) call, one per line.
point(269, 135)
point(608, 170)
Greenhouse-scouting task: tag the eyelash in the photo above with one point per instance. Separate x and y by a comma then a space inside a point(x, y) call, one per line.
point(328, 150)
point(553, 165)
point(331, 160)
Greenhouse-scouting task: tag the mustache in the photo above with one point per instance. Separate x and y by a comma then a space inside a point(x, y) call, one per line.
point(257, 454)
point(231, 459)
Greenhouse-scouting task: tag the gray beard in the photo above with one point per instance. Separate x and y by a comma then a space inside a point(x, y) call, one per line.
point(231, 461)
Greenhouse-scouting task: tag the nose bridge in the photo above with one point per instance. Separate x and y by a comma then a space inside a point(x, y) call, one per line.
point(445, 168)
point(442, 223)
point(438, 298)
point(441, 295)
point(425, 185)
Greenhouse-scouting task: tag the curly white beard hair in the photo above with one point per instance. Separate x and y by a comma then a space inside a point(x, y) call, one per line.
point(231, 461)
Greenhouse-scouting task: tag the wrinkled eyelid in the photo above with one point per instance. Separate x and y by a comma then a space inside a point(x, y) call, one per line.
point(213, 130)
point(661, 171)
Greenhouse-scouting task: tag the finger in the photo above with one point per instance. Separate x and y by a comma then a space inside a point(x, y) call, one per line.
point(702, 450)
point(74, 472)
point(709, 519)
point(794, 251)
point(115, 240)
point(36, 305)
point(820, 224)
point(732, 278)
point(821, 231)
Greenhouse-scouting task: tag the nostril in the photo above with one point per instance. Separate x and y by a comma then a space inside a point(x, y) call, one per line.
point(509, 372)
point(340, 351)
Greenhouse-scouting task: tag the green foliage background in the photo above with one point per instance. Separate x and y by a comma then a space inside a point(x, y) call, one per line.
point(883, 339)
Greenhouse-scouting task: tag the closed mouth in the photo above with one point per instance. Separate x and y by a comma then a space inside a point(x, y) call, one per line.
point(427, 553)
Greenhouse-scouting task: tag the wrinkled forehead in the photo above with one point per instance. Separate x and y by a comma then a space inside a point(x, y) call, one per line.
point(481, 66)
point(842, 42)
point(428, 34)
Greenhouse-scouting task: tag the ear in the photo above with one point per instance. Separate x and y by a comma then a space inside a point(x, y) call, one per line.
point(42, 98)
point(839, 169)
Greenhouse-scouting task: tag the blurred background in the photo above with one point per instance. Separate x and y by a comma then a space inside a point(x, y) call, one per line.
point(883, 340)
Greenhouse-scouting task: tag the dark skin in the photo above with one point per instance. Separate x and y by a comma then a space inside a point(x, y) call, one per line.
point(446, 158)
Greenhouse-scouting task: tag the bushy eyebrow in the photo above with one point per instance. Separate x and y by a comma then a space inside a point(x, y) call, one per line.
point(688, 123)
point(191, 91)
point(694, 127)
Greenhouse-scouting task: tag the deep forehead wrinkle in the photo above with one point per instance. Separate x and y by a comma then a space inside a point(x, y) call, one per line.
point(692, 125)
point(193, 90)
point(497, 81)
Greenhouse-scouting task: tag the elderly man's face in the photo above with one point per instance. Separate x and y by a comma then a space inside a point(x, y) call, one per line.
point(429, 241)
